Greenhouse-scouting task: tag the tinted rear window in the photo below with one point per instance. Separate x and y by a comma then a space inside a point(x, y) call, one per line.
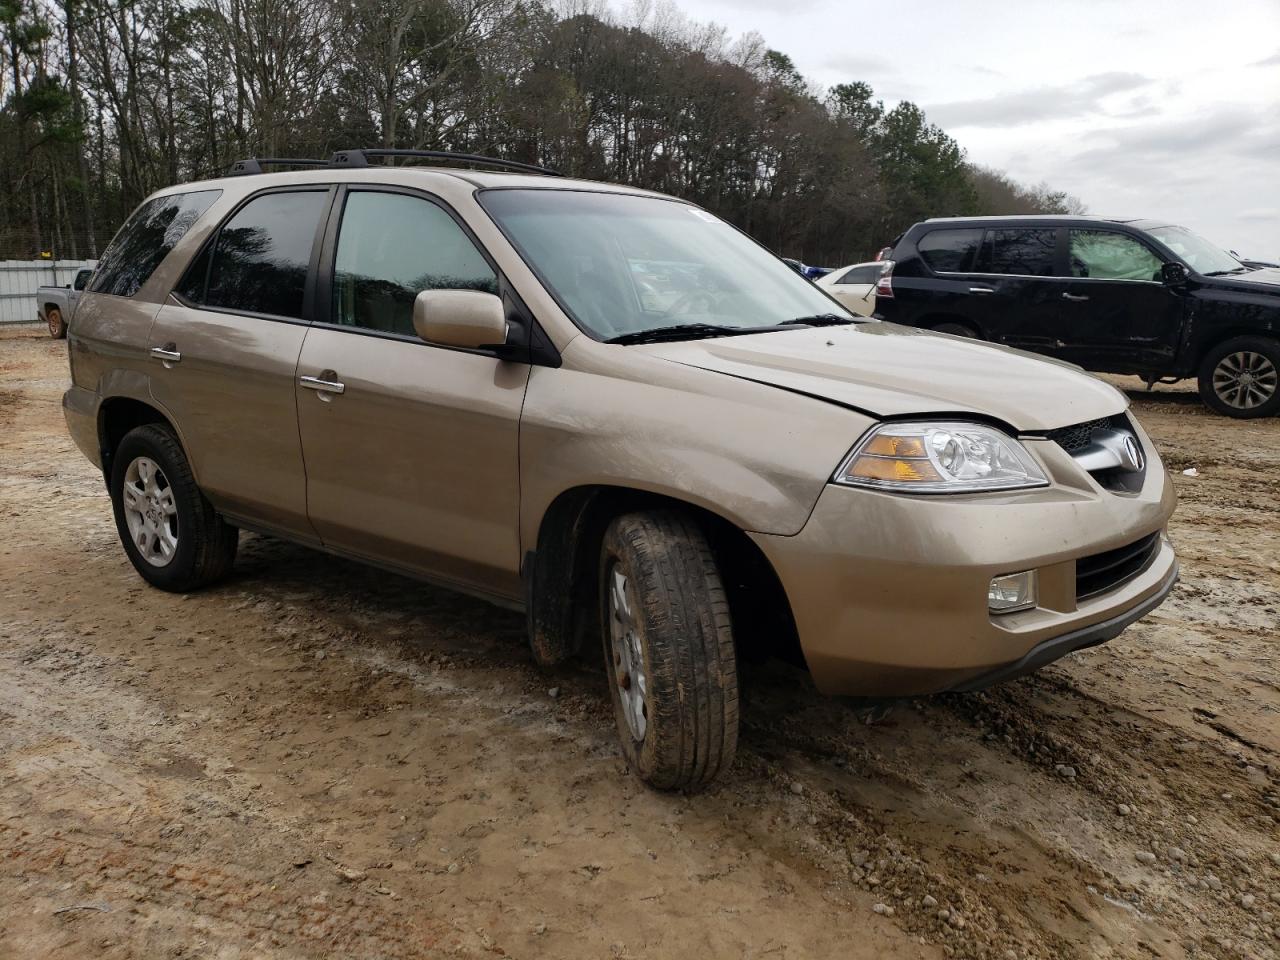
point(1019, 251)
point(146, 238)
point(259, 260)
point(950, 251)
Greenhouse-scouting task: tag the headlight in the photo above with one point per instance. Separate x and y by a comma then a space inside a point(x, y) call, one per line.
point(939, 458)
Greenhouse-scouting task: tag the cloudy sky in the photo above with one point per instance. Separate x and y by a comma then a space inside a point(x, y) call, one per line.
point(1156, 108)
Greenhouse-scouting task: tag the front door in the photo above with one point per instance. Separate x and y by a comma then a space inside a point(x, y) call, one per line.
point(1117, 313)
point(411, 449)
point(225, 353)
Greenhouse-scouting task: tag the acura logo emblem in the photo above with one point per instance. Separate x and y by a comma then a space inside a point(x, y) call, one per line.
point(1130, 455)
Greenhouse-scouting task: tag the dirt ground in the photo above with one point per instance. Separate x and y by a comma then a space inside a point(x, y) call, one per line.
point(318, 760)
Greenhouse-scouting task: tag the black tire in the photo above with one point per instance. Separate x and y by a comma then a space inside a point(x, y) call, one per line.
point(685, 642)
point(206, 544)
point(1260, 355)
point(956, 330)
point(57, 326)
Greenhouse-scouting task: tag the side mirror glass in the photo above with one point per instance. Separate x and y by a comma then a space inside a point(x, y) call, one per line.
point(1174, 274)
point(460, 318)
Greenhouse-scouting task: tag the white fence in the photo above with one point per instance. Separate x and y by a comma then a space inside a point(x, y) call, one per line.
point(20, 278)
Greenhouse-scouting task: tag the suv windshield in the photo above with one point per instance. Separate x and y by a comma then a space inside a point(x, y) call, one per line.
point(1198, 253)
point(621, 264)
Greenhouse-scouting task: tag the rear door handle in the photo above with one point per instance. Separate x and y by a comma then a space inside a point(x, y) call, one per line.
point(327, 382)
point(168, 354)
point(981, 290)
point(1075, 297)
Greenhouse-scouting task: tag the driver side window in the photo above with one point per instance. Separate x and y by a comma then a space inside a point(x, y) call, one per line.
point(391, 247)
point(1103, 255)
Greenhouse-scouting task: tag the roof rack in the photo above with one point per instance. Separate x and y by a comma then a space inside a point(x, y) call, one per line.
point(360, 158)
point(244, 168)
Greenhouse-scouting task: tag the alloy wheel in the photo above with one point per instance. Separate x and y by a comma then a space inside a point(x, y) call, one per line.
point(628, 653)
point(150, 511)
point(1245, 379)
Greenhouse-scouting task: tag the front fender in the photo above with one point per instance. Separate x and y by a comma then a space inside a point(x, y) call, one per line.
point(753, 454)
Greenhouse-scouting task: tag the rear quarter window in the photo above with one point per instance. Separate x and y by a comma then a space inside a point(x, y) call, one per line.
point(862, 275)
point(950, 251)
point(146, 239)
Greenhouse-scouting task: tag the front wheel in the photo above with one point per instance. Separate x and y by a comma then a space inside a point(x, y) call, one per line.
point(669, 648)
point(1241, 378)
point(57, 326)
point(172, 535)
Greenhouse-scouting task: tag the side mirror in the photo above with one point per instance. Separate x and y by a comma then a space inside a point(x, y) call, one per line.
point(460, 318)
point(82, 279)
point(1173, 274)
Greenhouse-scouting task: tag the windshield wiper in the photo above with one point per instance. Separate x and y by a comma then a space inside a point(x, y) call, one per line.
point(680, 331)
point(819, 320)
point(1222, 273)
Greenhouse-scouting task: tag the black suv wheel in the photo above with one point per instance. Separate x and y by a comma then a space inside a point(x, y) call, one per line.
point(1241, 377)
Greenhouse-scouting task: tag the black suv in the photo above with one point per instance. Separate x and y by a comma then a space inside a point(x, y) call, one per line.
point(1122, 296)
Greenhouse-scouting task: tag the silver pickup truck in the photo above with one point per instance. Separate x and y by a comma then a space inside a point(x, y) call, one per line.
point(55, 305)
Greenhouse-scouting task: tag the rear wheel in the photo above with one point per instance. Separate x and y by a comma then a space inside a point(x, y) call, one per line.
point(669, 649)
point(57, 326)
point(172, 535)
point(1241, 378)
point(957, 330)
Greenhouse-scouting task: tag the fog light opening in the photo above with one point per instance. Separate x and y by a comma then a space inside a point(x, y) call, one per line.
point(1014, 591)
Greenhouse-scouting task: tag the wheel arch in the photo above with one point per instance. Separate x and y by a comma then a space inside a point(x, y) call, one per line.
point(117, 416)
point(933, 320)
point(560, 574)
point(1222, 335)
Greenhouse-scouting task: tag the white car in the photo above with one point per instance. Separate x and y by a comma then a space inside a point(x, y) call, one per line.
point(854, 287)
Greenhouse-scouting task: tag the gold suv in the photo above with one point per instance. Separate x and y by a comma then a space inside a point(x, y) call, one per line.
point(612, 410)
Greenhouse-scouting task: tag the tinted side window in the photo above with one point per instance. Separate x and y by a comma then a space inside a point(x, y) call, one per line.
point(258, 263)
point(950, 251)
point(861, 275)
point(1103, 255)
point(146, 239)
point(391, 247)
point(1019, 251)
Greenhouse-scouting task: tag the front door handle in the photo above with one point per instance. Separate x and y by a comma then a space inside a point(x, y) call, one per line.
point(326, 383)
point(1075, 297)
point(168, 354)
point(982, 290)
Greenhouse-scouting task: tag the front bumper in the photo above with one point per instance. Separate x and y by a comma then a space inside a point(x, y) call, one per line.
point(889, 592)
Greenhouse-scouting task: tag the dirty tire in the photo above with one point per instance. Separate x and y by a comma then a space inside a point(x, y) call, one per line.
point(206, 547)
point(57, 326)
point(956, 330)
point(681, 619)
point(1264, 352)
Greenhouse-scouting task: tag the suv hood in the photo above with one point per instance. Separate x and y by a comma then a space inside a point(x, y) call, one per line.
point(891, 371)
point(1265, 280)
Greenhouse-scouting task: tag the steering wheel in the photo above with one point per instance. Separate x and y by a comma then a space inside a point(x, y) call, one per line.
point(686, 301)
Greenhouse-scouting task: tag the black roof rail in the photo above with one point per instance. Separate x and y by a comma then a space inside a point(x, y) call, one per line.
point(360, 158)
point(244, 168)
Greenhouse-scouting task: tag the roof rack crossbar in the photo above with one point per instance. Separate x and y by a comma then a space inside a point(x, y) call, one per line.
point(244, 168)
point(360, 158)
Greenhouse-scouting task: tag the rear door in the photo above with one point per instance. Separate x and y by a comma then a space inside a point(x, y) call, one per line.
point(411, 449)
point(225, 352)
point(1020, 286)
point(1117, 313)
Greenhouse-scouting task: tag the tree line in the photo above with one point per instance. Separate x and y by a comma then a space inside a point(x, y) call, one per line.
point(104, 101)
